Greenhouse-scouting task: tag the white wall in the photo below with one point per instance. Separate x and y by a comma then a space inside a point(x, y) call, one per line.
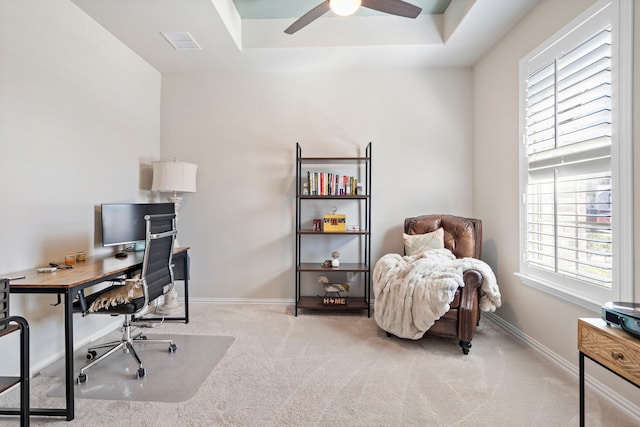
point(242, 129)
point(79, 126)
point(545, 319)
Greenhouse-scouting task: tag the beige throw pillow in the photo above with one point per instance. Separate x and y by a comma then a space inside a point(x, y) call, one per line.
point(415, 244)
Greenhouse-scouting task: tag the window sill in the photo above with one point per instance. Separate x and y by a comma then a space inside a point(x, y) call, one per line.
point(551, 288)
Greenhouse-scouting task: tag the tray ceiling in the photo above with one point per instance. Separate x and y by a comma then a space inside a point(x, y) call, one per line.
point(248, 35)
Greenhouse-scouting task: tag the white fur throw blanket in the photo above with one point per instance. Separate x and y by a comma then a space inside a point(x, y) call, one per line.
point(412, 292)
point(118, 295)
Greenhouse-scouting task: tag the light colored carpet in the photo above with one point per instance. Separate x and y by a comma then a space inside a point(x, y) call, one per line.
point(170, 377)
point(325, 369)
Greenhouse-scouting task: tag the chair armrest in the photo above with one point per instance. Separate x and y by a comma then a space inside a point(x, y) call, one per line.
point(19, 323)
point(469, 311)
point(82, 303)
point(472, 279)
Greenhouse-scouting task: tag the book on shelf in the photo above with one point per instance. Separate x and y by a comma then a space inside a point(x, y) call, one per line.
point(331, 184)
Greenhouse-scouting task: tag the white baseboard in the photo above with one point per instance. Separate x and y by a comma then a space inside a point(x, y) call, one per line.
point(592, 384)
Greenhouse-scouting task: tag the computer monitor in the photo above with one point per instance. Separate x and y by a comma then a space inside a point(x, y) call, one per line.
point(123, 223)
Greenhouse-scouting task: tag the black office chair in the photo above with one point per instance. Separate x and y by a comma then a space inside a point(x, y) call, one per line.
point(9, 324)
point(156, 279)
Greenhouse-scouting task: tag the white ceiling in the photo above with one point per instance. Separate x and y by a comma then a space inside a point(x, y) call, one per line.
point(457, 37)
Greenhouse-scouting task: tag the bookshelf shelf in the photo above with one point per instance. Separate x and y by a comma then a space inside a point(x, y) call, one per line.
point(333, 197)
point(310, 231)
point(315, 303)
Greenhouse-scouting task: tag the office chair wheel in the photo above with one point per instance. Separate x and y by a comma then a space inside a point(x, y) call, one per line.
point(82, 378)
point(141, 373)
point(91, 354)
point(172, 348)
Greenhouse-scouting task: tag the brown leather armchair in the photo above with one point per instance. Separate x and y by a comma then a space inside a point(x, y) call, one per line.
point(463, 237)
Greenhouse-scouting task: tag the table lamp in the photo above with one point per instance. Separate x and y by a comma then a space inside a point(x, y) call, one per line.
point(173, 177)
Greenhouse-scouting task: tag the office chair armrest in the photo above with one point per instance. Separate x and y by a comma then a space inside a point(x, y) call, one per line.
point(82, 302)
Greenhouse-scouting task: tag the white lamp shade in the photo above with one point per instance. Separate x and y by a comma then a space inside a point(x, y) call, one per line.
point(344, 7)
point(179, 177)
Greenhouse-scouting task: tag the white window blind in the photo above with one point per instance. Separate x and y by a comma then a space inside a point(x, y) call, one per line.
point(568, 149)
point(576, 159)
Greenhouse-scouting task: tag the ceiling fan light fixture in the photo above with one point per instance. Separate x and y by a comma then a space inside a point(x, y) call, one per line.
point(344, 7)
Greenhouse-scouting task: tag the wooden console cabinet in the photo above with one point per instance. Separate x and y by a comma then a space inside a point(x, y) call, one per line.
point(610, 347)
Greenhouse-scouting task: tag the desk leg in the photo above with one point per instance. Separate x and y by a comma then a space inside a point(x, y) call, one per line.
point(25, 372)
point(68, 353)
point(581, 389)
point(186, 288)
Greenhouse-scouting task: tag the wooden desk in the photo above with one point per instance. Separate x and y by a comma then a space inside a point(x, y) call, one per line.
point(609, 347)
point(67, 283)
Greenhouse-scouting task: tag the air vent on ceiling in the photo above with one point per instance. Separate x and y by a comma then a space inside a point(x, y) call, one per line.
point(181, 40)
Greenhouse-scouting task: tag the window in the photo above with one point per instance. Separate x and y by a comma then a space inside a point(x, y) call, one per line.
point(575, 161)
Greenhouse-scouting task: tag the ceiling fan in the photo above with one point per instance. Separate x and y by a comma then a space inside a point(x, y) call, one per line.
point(348, 7)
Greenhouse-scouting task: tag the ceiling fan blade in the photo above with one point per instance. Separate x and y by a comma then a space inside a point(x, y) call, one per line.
point(393, 7)
point(308, 17)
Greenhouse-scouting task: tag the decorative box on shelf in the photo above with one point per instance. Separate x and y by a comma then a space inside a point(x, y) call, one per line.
point(335, 223)
point(335, 300)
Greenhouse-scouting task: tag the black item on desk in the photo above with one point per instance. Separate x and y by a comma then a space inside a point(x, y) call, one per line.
point(624, 314)
point(60, 265)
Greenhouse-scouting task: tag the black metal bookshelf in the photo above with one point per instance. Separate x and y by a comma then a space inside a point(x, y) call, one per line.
point(305, 236)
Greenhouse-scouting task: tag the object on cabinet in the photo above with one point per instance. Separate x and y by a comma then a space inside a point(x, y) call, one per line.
point(334, 300)
point(331, 184)
point(332, 291)
point(335, 223)
point(626, 315)
point(335, 262)
point(332, 287)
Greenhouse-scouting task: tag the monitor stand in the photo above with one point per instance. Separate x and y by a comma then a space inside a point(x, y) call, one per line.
point(121, 255)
